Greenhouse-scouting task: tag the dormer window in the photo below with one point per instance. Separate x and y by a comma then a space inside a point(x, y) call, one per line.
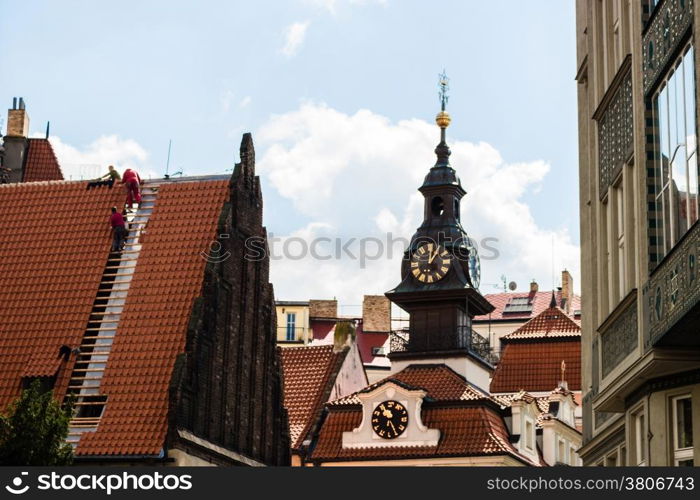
point(518, 305)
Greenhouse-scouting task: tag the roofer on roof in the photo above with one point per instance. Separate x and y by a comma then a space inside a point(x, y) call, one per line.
point(107, 179)
point(116, 220)
point(132, 181)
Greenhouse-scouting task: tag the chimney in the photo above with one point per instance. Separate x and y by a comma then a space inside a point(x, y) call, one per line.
point(534, 287)
point(323, 309)
point(16, 142)
point(376, 314)
point(344, 335)
point(567, 290)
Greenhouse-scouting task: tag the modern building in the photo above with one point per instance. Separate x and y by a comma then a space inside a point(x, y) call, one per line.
point(167, 346)
point(640, 240)
point(434, 407)
point(513, 309)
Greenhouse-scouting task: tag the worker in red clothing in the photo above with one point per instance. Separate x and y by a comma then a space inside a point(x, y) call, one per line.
point(116, 220)
point(132, 181)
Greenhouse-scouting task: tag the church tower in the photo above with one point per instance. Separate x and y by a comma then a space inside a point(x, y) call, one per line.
point(440, 276)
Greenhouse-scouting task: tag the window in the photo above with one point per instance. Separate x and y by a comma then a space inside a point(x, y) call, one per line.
point(437, 206)
point(682, 421)
point(572, 456)
point(291, 326)
point(640, 438)
point(676, 165)
point(619, 202)
point(561, 452)
point(529, 434)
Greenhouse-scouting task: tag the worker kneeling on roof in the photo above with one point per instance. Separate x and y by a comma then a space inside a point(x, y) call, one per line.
point(132, 181)
point(118, 230)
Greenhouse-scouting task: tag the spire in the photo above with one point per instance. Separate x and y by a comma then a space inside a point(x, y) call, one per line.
point(553, 303)
point(443, 120)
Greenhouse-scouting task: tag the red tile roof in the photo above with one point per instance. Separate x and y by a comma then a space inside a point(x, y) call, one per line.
point(552, 322)
point(49, 273)
point(464, 431)
point(470, 424)
point(539, 300)
point(49, 276)
point(41, 163)
point(439, 381)
point(535, 365)
point(309, 375)
point(167, 279)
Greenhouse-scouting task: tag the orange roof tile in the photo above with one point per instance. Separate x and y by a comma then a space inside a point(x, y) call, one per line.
point(464, 431)
point(49, 273)
point(49, 277)
point(41, 163)
point(439, 381)
point(167, 279)
point(539, 300)
point(535, 365)
point(552, 322)
point(309, 376)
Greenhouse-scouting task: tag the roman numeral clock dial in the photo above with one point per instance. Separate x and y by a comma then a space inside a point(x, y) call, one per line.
point(430, 263)
point(389, 419)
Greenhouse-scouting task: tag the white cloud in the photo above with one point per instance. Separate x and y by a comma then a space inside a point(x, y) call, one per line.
point(356, 176)
point(294, 35)
point(245, 101)
point(93, 160)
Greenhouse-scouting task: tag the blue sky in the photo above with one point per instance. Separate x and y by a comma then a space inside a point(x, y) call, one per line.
point(122, 78)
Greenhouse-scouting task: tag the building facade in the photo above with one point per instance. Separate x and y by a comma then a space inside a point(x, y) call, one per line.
point(640, 240)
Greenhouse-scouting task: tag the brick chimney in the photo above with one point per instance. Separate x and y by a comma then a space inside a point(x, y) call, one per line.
point(325, 309)
point(16, 142)
point(376, 314)
point(567, 290)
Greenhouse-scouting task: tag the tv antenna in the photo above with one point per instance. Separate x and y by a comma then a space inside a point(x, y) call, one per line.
point(167, 163)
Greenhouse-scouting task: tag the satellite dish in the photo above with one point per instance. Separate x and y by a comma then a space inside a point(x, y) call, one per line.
point(512, 286)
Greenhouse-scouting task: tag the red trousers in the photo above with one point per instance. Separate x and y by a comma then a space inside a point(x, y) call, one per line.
point(133, 192)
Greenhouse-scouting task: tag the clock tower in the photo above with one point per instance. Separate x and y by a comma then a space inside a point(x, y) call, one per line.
point(440, 270)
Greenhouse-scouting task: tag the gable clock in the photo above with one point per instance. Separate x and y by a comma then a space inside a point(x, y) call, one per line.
point(440, 270)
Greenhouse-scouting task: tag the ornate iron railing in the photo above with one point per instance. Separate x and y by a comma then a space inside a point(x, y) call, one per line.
point(399, 342)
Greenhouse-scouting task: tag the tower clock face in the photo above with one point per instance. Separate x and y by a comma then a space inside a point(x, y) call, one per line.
point(474, 265)
point(430, 263)
point(389, 419)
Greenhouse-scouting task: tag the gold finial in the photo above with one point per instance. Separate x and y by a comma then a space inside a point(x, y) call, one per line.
point(443, 119)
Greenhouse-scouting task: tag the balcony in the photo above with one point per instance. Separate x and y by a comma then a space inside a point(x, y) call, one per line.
point(292, 334)
point(671, 297)
point(475, 343)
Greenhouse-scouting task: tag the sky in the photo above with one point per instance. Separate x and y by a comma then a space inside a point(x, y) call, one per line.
point(340, 96)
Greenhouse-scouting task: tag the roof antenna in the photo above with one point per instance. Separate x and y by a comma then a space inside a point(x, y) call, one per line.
point(167, 163)
point(48, 125)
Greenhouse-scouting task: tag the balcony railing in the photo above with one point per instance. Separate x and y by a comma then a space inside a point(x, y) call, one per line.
point(399, 342)
point(291, 333)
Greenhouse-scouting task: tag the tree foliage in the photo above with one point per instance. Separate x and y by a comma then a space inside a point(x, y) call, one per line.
point(34, 430)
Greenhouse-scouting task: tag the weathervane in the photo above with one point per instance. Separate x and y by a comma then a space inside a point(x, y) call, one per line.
point(444, 85)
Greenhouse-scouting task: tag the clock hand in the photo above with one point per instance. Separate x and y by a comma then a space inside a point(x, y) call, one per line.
point(432, 258)
point(392, 426)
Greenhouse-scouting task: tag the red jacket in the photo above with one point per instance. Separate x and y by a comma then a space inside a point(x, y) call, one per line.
point(130, 175)
point(116, 220)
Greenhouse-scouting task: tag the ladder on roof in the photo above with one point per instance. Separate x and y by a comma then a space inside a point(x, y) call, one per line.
point(86, 378)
